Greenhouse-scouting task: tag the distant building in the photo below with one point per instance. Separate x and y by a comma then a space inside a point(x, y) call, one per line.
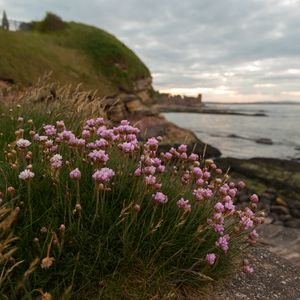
point(5, 23)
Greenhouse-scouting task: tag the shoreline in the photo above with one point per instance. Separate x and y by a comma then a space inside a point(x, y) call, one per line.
point(203, 110)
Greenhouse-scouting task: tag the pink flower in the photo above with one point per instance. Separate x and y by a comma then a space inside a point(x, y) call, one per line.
point(128, 147)
point(197, 172)
point(98, 155)
point(22, 143)
point(206, 175)
point(229, 206)
point(219, 229)
point(86, 134)
point(232, 192)
point(150, 180)
point(56, 161)
point(50, 130)
point(193, 157)
point(138, 172)
point(222, 243)
point(160, 198)
point(182, 148)
point(152, 143)
point(253, 234)
point(168, 155)
point(26, 175)
point(254, 198)
point(150, 170)
point(246, 222)
point(75, 174)
point(241, 184)
point(199, 182)
point(161, 169)
point(184, 204)
point(219, 207)
point(210, 258)
point(248, 269)
point(103, 175)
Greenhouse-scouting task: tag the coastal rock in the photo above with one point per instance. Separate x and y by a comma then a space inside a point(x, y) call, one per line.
point(264, 141)
point(172, 135)
point(279, 210)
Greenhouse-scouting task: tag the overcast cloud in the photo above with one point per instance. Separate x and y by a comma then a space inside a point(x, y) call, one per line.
point(228, 49)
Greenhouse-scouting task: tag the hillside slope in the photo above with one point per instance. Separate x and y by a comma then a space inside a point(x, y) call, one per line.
point(77, 54)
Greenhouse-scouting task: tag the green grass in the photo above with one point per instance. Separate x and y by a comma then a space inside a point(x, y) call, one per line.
point(77, 54)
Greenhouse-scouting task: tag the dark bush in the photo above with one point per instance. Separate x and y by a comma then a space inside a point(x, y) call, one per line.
point(50, 23)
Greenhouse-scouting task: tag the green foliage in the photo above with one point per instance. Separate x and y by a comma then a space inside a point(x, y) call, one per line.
point(50, 23)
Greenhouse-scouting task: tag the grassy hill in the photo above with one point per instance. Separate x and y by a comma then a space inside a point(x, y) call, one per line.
point(75, 54)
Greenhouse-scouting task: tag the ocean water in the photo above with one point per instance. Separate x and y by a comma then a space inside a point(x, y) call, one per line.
point(235, 135)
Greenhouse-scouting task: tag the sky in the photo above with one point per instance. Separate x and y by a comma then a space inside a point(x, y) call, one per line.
point(228, 50)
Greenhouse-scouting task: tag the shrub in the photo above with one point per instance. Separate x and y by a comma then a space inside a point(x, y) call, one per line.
point(50, 23)
point(103, 215)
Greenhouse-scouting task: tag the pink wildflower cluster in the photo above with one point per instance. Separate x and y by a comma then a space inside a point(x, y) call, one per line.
point(196, 179)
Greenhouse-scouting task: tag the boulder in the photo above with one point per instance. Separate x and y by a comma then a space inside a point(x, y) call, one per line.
point(156, 125)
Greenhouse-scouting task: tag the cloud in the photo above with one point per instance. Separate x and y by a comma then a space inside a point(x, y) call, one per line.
point(251, 47)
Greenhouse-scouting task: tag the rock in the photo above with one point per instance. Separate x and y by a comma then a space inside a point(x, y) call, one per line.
point(279, 210)
point(293, 223)
point(281, 201)
point(173, 135)
point(265, 141)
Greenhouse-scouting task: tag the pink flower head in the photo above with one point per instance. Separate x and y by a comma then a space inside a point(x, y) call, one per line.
point(56, 161)
point(182, 148)
point(219, 228)
point(241, 184)
point(206, 175)
point(232, 192)
point(98, 155)
point(222, 243)
point(226, 199)
point(50, 130)
point(246, 222)
point(103, 175)
point(150, 180)
point(197, 172)
point(90, 123)
point(193, 157)
point(230, 206)
point(26, 175)
point(75, 174)
point(246, 267)
point(138, 172)
point(199, 182)
point(254, 198)
point(161, 169)
point(253, 235)
point(86, 134)
point(60, 124)
point(211, 258)
point(159, 198)
point(184, 204)
point(128, 147)
point(219, 207)
point(150, 170)
point(168, 155)
point(224, 189)
point(152, 143)
point(22, 143)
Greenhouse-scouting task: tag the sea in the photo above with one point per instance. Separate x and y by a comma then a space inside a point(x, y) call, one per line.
point(237, 135)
